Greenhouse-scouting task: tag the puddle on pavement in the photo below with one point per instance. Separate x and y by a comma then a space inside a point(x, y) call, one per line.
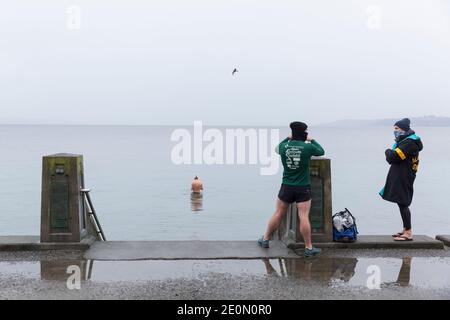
point(417, 271)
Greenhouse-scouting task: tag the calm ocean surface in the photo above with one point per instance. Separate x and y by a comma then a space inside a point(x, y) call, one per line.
point(140, 194)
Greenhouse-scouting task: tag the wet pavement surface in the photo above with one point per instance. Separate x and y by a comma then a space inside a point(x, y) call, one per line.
point(336, 274)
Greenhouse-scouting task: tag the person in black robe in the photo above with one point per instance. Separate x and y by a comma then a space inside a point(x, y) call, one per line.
point(404, 161)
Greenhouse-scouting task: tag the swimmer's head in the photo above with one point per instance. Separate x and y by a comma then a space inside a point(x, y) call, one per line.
point(196, 178)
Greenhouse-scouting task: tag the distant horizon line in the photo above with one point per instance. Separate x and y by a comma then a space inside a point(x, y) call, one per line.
point(206, 124)
point(140, 125)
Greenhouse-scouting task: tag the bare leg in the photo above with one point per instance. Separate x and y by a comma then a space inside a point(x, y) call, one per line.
point(304, 225)
point(275, 220)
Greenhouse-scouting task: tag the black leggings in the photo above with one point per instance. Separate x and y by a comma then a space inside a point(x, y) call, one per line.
point(406, 216)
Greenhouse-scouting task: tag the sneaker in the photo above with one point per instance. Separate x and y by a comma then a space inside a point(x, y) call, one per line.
point(263, 243)
point(312, 252)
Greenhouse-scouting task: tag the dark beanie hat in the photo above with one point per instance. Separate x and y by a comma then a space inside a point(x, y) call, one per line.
point(403, 124)
point(298, 130)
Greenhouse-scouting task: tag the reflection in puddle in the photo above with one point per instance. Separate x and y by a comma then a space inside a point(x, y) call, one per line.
point(417, 271)
point(332, 270)
point(324, 269)
point(196, 201)
point(404, 275)
point(61, 269)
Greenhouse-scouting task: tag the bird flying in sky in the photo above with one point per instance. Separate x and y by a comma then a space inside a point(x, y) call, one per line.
point(234, 71)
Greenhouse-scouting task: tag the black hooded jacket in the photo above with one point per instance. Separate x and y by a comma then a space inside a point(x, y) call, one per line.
point(404, 161)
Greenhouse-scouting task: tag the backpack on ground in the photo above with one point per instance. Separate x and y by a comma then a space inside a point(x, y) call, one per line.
point(344, 227)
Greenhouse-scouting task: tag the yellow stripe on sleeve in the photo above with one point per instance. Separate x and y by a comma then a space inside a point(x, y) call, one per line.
point(400, 153)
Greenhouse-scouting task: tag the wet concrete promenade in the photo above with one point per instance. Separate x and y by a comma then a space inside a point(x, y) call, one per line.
point(226, 270)
point(336, 274)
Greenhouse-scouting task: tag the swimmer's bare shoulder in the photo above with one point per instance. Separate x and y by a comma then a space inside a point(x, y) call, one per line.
point(197, 185)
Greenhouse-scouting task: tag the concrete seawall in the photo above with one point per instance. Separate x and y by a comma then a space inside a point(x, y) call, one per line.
point(179, 250)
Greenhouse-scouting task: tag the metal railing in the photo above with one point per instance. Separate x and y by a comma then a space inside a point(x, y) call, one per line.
point(92, 213)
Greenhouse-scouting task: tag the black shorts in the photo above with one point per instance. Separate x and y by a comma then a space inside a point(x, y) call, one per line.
point(297, 194)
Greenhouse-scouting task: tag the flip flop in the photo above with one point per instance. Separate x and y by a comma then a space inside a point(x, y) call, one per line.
point(403, 238)
point(398, 234)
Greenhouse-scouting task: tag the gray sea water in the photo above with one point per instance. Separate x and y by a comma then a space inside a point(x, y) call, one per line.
point(139, 193)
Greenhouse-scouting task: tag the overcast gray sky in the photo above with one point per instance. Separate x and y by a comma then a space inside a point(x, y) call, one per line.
point(170, 62)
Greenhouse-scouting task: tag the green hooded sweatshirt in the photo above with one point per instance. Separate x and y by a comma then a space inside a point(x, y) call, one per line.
point(296, 156)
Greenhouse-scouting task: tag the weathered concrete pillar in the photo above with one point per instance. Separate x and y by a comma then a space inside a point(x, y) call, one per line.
point(321, 207)
point(63, 214)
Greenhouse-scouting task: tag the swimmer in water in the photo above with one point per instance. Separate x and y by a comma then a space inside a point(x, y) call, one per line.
point(197, 185)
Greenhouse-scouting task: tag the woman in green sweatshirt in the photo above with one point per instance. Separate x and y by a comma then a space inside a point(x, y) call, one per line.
point(295, 152)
